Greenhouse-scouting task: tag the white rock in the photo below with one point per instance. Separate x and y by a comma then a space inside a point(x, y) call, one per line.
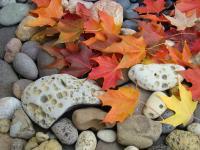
point(127, 31)
point(131, 148)
point(195, 128)
point(154, 107)
point(112, 8)
point(156, 77)
point(108, 136)
point(86, 141)
point(8, 105)
point(46, 99)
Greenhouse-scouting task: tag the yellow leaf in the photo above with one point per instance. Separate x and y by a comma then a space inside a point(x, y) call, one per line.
point(183, 107)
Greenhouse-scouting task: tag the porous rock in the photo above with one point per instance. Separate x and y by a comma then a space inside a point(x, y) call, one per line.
point(18, 144)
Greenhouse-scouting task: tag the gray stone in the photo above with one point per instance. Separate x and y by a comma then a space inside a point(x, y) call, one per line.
point(43, 60)
point(5, 142)
point(18, 144)
point(108, 136)
point(160, 147)
point(25, 66)
point(13, 13)
point(130, 14)
point(139, 131)
point(22, 1)
point(65, 131)
point(108, 146)
point(131, 24)
point(8, 77)
point(68, 147)
point(21, 126)
point(125, 3)
point(197, 114)
point(6, 33)
point(31, 48)
point(6, 2)
point(194, 128)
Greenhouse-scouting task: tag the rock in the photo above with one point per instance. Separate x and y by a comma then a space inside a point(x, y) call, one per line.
point(18, 144)
point(196, 59)
point(32, 143)
point(13, 13)
point(8, 105)
point(108, 146)
point(6, 2)
point(4, 125)
point(49, 145)
point(183, 140)
point(155, 107)
point(48, 98)
point(41, 137)
point(159, 147)
point(124, 3)
point(112, 8)
point(8, 77)
point(12, 48)
point(108, 136)
point(92, 119)
point(10, 33)
point(22, 1)
point(21, 126)
point(65, 131)
point(25, 66)
point(131, 148)
point(31, 48)
point(19, 86)
point(86, 141)
point(43, 60)
point(139, 131)
point(127, 31)
point(130, 14)
point(197, 114)
point(68, 147)
point(25, 32)
point(130, 24)
point(5, 142)
point(194, 128)
point(156, 77)
point(124, 76)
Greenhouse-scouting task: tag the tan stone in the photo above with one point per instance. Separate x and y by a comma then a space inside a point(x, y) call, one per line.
point(4, 125)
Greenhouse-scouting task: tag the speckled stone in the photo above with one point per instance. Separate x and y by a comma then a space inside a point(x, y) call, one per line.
point(46, 99)
point(195, 128)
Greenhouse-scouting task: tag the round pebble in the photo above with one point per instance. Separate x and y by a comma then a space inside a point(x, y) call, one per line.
point(130, 14)
point(130, 24)
point(195, 128)
point(107, 135)
point(125, 3)
point(131, 148)
point(41, 137)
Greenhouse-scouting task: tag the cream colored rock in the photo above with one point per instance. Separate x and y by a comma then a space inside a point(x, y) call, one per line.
point(4, 125)
point(155, 107)
point(195, 128)
point(41, 137)
point(32, 143)
point(49, 145)
point(156, 77)
point(127, 31)
point(131, 148)
point(8, 105)
point(25, 32)
point(46, 99)
point(112, 8)
point(108, 136)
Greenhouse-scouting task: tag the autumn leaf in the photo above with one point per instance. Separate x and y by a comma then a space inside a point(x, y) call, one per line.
point(183, 107)
point(183, 58)
point(152, 6)
point(181, 21)
point(154, 18)
point(83, 11)
point(123, 102)
point(107, 70)
point(195, 46)
point(41, 3)
point(192, 76)
point(48, 15)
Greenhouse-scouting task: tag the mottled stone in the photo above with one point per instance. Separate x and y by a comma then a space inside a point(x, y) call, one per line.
point(4, 125)
point(108, 136)
point(49, 145)
point(108, 146)
point(5, 142)
point(18, 144)
point(194, 128)
point(6, 2)
point(41, 137)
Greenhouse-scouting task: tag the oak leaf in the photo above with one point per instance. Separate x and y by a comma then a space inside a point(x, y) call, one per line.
point(123, 102)
point(183, 107)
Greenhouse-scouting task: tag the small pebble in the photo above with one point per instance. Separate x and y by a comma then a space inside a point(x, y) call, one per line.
point(131, 148)
point(195, 128)
point(130, 14)
point(125, 3)
point(108, 136)
point(130, 24)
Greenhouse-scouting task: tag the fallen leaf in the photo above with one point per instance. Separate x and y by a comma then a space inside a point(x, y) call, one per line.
point(183, 107)
point(192, 76)
point(123, 102)
point(154, 18)
point(181, 21)
point(195, 46)
point(41, 3)
point(107, 70)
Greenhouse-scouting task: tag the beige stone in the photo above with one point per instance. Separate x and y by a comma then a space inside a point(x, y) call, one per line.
point(4, 125)
point(49, 145)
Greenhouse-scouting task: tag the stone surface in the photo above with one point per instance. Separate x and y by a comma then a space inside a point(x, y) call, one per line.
point(131, 148)
point(4, 125)
point(183, 140)
point(65, 131)
point(154, 107)
point(8, 105)
point(6, 2)
point(18, 144)
point(5, 142)
point(139, 131)
point(32, 143)
point(43, 60)
point(130, 14)
point(13, 13)
point(108, 136)
point(19, 86)
point(108, 146)
point(195, 128)
point(86, 141)
point(130, 24)
point(156, 77)
point(127, 31)
point(91, 120)
point(41, 137)
point(124, 3)
point(8, 77)
point(21, 126)
point(25, 32)
point(197, 114)
point(196, 59)
point(10, 33)
point(49, 145)
point(11, 49)
point(49, 97)
point(25, 66)
point(160, 147)
point(112, 8)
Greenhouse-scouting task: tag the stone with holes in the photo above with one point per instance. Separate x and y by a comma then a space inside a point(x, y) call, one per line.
point(156, 77)
point(46, 99)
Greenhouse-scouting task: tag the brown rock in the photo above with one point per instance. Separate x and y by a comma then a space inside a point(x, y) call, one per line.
point(5, 142)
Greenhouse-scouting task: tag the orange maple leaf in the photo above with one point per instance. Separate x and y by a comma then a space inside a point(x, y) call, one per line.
point(123, 102)
point(41, 3)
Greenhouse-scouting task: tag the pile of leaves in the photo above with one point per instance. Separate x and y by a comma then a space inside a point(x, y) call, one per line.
point(84, 47)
